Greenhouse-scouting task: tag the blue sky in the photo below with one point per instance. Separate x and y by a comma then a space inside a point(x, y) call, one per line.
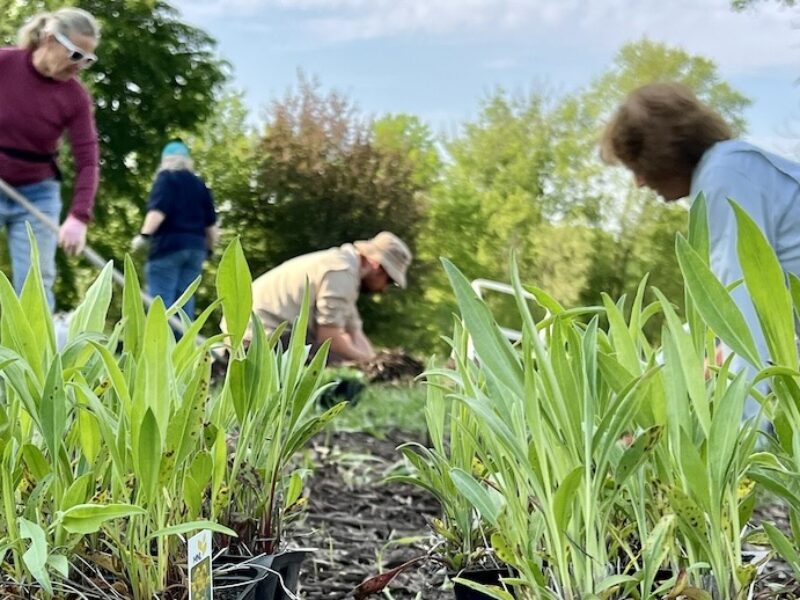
point(438, 58)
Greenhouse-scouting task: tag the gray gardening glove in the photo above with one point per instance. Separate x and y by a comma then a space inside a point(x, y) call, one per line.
point(140, 243)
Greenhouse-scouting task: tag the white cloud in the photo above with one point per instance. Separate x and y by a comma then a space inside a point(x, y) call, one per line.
point(739, 42)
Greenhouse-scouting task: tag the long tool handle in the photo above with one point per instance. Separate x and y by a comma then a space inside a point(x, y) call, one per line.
point(92, 256)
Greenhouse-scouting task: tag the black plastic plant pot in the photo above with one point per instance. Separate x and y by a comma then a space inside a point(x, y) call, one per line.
point(287, 565)
point(482, 576)
point(240, 577)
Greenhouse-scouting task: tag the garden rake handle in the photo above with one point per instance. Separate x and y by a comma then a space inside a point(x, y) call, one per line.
point(92, 256)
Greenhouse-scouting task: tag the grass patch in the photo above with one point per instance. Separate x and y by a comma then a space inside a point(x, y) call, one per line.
point(382, 408)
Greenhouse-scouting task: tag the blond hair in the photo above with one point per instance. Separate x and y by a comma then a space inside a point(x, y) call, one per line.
point(66, 21)
point(662, 130)
point(175, 162)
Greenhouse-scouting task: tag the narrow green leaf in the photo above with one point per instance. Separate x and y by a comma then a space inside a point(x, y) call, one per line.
point(766, 283)
point(487, 501)
point(184, 528)
point(132, 309)
point(714, 303)
point(494, 350)
point(783, 547)
point(565, 496)
point(692, 365)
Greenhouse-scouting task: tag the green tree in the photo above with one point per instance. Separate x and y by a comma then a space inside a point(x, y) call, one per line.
point(743, 4)
point(326, 176)
point(636, 229)
point(502, 192)
point(524, 176)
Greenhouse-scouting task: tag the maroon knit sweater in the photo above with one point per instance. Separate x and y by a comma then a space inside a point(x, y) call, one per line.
point(34, 113)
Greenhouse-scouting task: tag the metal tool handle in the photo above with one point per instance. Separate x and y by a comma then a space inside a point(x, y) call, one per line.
point(89, 253)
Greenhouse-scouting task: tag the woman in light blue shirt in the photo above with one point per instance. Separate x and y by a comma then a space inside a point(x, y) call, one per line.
point(677, 146)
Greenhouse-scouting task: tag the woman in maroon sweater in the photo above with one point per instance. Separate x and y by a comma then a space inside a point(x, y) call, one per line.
point(40, 100)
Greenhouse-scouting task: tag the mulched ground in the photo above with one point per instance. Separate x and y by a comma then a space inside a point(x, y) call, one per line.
point(353, 519)
point(357, 523)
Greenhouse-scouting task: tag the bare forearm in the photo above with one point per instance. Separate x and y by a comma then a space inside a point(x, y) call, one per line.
point(361, 341)
point(152, 221)
point(212, 236)
point(343, 344)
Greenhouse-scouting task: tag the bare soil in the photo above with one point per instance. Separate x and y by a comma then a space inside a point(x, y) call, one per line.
point(362, 526)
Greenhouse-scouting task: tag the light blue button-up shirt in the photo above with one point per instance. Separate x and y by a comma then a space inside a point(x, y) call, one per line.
point(765, 185)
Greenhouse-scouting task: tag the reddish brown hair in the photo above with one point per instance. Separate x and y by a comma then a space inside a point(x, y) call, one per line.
point(662, 130)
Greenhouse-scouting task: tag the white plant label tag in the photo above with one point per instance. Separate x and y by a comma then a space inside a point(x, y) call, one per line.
point(200, 587)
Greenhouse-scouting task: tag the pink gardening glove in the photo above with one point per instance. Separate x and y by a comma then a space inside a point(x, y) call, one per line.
point(72, 235)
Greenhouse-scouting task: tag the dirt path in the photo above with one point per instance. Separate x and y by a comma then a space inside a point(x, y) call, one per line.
point(358, 524)
point(356, 521)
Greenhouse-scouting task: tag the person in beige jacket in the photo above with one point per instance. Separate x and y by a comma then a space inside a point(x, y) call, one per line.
point(335, 278)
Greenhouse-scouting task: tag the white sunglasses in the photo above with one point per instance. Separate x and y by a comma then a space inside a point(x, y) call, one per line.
point(76, 55)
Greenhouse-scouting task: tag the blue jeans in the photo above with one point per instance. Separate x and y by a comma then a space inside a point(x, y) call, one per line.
point(168, 276)
point(46, 196)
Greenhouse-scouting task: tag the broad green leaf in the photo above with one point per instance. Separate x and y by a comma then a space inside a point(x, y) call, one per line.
point(60, 564)
point(16, 331)
point(155, 378)
point(89, 436)
point(85, 519)
point(34, 299)
point(192, 496)
point(614, 374)
point(623, 342)
point(149, 455)
point(201, 468)
point(92, 311)
point(53, 409)
point(695, 471)
point(698, 227)
point(293, 490)
point(234, 289)
point(78, 492)
point(699, 241)
point(37, 464)
point(637, 453)
point(236, 387)
point(35, 557)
